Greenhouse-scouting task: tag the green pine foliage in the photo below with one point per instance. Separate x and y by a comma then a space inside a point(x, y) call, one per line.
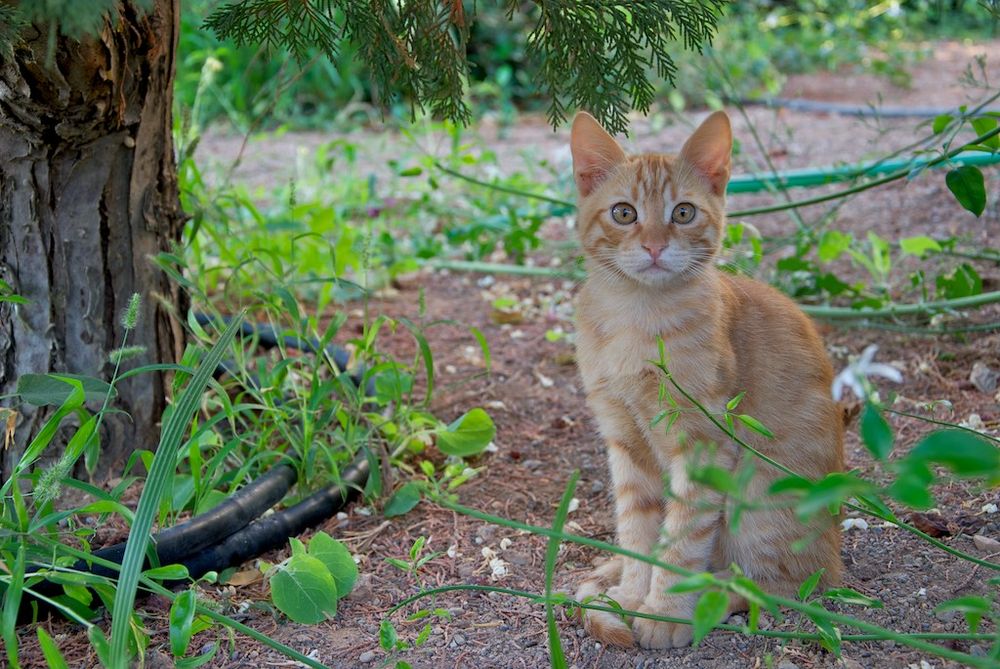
point(589, 54)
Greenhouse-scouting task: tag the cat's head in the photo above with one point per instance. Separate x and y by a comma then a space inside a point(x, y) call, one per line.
point(651, 218)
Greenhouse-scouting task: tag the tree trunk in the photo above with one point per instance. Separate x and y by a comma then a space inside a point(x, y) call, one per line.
point(88, 193)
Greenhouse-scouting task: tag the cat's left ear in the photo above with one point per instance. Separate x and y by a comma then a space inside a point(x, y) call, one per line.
point(595, 153)
point(709, 150)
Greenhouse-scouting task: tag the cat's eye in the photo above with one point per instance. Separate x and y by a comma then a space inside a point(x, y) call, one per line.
point(683, 213)
point(624, 214)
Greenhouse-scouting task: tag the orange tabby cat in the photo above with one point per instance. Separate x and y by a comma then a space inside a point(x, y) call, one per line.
point(651, 226)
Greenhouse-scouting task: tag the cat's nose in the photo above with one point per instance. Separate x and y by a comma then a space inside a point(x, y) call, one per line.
point(654, 250)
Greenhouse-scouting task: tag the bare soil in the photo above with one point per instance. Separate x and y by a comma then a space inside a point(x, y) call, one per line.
point(544, 432)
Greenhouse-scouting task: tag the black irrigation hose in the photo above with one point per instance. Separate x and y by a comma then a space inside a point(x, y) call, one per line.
point(818, 106)
point(175, 544)
point(272, 531)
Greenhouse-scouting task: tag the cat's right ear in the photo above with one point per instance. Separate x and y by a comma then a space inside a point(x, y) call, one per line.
point(595, 153)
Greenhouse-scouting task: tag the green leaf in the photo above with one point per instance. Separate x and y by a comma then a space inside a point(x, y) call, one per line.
point(708, 612)
point(964, 281)
point(983, 125)
point(467, 436)
point(54, 389)
point(694, 583)
point(304, 590)
point(941, 122)
point(735, 402)
point(830, 635)
point(338, 561)
point(832, 244)
point(875, 432)
point(966, 183)
point(387, 636)
point(181, 622)
point(809, 585)
point(848, 596)
point(403, 500)
point(974, 608)
point(912, 484)
point(918, 246)
point(755, 425)
point(830, 492)
point(50, 650)
point(964, 453)
point(169, 572)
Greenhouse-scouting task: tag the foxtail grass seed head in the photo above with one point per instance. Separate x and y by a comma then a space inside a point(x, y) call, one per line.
point(131, 315)
point(119, 355)
point(50, 481)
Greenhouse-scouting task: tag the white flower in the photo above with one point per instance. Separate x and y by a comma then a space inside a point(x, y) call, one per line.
point(855, 375)
point(850, 523)
point(505, 543)
point(498, 568)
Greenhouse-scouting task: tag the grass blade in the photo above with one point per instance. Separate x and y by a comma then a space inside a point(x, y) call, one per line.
point(160, 473)
point(556, 656)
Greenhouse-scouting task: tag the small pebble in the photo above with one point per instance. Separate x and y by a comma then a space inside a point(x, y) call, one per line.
point(987, 544)
point(533, 464)
point(458, 639)
point(787, 664)
point(597, 486)
point(366, 656)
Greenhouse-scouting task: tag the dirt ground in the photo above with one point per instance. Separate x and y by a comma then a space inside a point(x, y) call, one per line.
point(544, 431)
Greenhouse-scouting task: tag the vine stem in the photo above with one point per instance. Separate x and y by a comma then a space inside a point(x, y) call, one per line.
point(807, 609)
point(854, 507)
point(774, 634)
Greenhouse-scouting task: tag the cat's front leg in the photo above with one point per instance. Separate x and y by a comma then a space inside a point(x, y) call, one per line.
point(693, 521)
point(638, 491)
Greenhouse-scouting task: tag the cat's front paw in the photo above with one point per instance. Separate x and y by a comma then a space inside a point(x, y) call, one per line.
point(660, 635)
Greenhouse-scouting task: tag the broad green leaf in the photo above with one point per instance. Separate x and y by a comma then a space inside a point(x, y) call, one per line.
point(832, 244)
point(830, 492)
point(983, 125)
point(337, 559)
point(964, 281)
point(848, 596)
point(809, 585)
point(941, 122)
point(54, 389)
point(304, 590)
point(392, 385)
point(912, 484)
point(403, 500)
point(708, 612)
point(974, 608)
point(387, 636)
point(50, 650)
point(693, 583)
point(715, 477)
point(875, 432)
point(964, 453)
point(467, 436)
point(918, 246)
point(966, 183)
point(750, 591)
point(181, 622)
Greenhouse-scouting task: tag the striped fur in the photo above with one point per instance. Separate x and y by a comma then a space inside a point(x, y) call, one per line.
point(723, 335)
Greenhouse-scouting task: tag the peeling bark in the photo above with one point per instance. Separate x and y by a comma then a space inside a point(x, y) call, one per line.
point(88, 193)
